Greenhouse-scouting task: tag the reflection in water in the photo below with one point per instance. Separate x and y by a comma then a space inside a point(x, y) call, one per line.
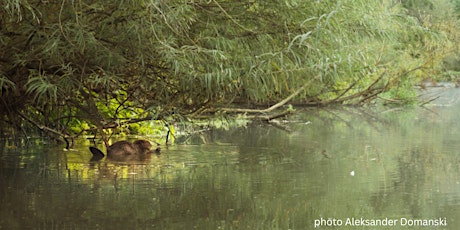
point(405, 164)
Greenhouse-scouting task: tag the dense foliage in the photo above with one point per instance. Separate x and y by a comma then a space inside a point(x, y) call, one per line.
point(72, 66)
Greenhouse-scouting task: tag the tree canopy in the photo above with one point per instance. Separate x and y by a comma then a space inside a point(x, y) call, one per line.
point(68, 67)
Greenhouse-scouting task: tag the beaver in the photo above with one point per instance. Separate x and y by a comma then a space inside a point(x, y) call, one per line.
point(139, 150)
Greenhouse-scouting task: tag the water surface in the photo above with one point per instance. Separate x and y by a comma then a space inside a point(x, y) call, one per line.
point(323, 166)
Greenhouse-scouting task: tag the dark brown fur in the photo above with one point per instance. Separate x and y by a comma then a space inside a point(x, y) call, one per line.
point(123, 148)
point(125, 151)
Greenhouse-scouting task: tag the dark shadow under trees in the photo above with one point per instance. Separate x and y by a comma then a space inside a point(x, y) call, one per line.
point(73, 68)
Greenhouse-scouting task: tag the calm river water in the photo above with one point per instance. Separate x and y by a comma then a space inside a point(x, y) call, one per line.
point(384, 168)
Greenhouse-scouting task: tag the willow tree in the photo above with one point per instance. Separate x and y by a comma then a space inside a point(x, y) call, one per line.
point(109, 63)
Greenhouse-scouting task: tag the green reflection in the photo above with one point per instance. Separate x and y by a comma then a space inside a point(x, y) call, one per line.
point(405, 164)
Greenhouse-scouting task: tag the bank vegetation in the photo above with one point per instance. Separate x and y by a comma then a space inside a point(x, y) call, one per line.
point(69, 68)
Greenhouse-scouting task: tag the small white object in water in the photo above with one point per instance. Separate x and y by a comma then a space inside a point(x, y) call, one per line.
point(352, 173)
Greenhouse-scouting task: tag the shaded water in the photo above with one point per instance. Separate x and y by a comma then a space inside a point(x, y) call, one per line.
point(325, 166)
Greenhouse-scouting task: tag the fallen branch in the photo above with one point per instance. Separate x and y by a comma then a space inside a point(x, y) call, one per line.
point(271, 108)
point(428, 101)
point(50, 130)
point(268, 119)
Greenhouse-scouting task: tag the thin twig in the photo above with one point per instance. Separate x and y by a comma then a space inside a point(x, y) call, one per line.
point(428, 101)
